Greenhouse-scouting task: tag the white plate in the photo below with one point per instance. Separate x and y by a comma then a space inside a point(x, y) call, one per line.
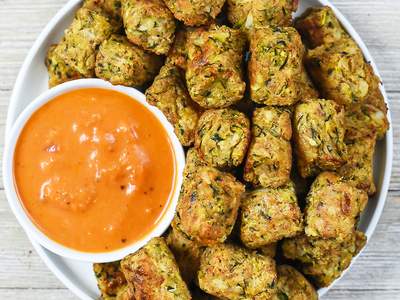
point(32, 81)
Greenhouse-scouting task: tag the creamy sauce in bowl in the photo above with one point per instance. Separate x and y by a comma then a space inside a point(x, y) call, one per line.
point(94, 170)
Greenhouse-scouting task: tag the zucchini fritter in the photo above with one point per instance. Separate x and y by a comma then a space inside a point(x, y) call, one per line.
point(318, 127)
point(195, 12)
point(187, 253)
point(269, 215)
point(78, 47)
point(333, 206)
point(358, 170)
point(149, 24)
point(111, 282)
point(249, 14)
point(275, 65)
point(319, 26)
point(230, 272)
point(214, 75)
point(153, 274)
point(59, 71)
point(123, 63)
point(222, 137)
point(365, 120)
point(293, 285)
point(323, 260)
point(340, 72)
point(269, 159)
point(208, 206)
point(170, 95)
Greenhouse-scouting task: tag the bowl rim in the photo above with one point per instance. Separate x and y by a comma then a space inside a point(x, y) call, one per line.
point(18, 208)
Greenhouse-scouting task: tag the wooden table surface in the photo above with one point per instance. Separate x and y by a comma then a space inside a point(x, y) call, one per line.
point(375, 275)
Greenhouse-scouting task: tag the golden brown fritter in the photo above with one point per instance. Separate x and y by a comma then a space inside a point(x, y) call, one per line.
point(187, 253)
point(122, 63)
point(170, 95)
point(269, 159)
point(269, 215)
point(249, 14)
point(280, 51)
point(222, 137)
point(293, 285)
point(365, 120)
point(78, 47)
point(208, 205)
point(230, 272)
point(153, 274)
point(340, 72)
point(319, 26)
point(333, 206)
point(323, 260)
point(149, 24)
point(59, 71)
point(318, 127)
point(195, 12)
point(111, 7)
point(214, 75)
point(358, 170)
point(111, 282)
point(375, 96)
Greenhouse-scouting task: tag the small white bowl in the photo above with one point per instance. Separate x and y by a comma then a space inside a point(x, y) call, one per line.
point(17, 207)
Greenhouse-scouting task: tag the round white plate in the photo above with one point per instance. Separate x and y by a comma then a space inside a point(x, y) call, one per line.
point(32, 81)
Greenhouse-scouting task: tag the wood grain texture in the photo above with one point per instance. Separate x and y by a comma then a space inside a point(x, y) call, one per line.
point(375, 275)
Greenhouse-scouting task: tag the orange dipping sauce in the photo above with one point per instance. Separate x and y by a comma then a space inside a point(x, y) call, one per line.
point(94, 170)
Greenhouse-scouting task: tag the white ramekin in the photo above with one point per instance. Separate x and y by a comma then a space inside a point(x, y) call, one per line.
point(17, 207)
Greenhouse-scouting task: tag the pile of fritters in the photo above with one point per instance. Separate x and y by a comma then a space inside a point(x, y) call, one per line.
point(247, 221)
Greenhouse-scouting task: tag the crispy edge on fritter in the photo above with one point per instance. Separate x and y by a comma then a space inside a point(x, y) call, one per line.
point(323, 260)
point(169, 94)
point(269, 159)
point(333, 207)
point(149, 24)
point(319, 132)
point(280, 51)
point(195, 12)
point(293, 285)
point(123, 63)
point(359, 167)
point(231, 272)
point(208, 205)
point(153, 274)
point(222, 137)
point(269, 215)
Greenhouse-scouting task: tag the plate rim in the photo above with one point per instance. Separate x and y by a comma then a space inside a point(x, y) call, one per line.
point(19, 82)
